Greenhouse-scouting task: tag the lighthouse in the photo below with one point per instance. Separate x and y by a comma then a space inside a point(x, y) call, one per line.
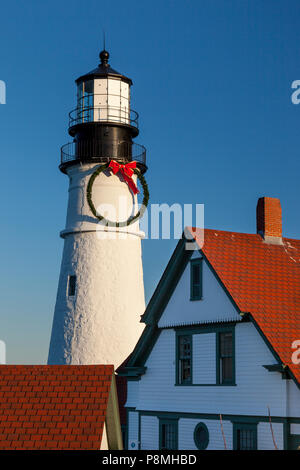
point(100, 295)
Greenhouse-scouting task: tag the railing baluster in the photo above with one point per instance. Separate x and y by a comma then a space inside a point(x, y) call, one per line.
point(84, 114)
point(96, 150)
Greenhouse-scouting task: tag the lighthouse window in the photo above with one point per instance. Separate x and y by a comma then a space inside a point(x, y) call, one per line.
point(85, 96)
point(72, 286)
point(89, 86)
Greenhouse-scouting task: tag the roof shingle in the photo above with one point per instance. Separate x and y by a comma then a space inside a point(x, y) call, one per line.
point(53, 407)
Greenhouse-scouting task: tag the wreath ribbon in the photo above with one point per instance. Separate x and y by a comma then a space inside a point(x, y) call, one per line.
point(126, 171)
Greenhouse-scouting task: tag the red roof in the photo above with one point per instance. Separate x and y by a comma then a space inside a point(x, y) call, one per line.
point(53, 407)
point(263, 280)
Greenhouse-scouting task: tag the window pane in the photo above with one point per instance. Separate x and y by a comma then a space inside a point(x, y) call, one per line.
point(196, 291)
point(196, 280)
point(186, 369)
point(185, 362)
point(226, 357)
point(168, 438)
point(226, 344)
point(196, 273)
point(227, 369)
point(89, 86)
point(201, 436)
point(245, 439)
point(185, 346)
point(72, 286)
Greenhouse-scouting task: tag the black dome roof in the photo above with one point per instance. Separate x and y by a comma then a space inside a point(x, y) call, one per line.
point(103, 70)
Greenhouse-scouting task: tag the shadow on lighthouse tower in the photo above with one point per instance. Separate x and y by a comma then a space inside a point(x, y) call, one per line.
point(100, 294)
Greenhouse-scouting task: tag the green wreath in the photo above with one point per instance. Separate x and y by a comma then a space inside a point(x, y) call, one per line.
point(130, 219)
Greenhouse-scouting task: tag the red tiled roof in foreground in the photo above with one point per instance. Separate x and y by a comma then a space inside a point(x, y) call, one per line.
point(263, 280)
point(53, 407)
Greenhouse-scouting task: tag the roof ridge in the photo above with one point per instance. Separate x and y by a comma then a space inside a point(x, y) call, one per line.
point(193, 229)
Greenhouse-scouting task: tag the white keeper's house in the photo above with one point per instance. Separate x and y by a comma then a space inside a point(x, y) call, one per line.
point(222, 337)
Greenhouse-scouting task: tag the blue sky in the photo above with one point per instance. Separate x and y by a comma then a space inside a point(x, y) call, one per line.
point(212, 84)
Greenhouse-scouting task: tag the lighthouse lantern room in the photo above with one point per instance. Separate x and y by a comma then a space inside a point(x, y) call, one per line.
point(100, 295)
point(103, 124)
point(104, 95)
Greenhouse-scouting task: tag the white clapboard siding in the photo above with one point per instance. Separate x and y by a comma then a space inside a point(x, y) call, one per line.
point(294, 399)
point(133, 430)
point(149, 432)
point(186, 429)
point(264, 436)
point(215, 305)
point(132, 393)
point(204, 358)
point(256, 388)
point(295, 428)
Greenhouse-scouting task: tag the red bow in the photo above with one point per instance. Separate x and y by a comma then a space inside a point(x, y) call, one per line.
point(126, 171)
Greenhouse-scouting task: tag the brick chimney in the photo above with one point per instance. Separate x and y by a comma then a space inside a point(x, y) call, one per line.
point(268, 220)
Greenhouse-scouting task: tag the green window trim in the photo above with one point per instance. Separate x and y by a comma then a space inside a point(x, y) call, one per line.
point(196, 280)
point(201, 441)
point(245, 427)
point(236, 420)
point(219, 357)
point(218, 329)
point(179, 380)
point(168, 425)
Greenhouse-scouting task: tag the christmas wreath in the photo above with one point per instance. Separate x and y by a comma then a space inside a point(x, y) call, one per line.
point(126, 171)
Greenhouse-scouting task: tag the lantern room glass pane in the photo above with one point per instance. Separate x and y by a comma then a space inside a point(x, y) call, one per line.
point(85, 101)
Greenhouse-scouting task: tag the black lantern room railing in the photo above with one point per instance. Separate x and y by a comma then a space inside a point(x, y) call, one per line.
point(90, 151)
point(103, 113)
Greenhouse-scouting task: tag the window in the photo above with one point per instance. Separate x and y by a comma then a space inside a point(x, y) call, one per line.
point(245, 436)
point(85, 101)
point(196, 279)
point(225, 358)
point(201, 436)
point(168, 434)
point(72, 286)
point(185, 359)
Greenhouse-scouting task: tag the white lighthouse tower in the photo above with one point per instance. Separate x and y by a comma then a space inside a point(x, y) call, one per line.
point(100, 294)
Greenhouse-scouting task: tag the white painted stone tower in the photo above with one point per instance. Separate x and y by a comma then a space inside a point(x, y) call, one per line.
point(101, 293)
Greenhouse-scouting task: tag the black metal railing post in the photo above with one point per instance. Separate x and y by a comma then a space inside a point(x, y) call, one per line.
point(85, 114)
point(87, 150)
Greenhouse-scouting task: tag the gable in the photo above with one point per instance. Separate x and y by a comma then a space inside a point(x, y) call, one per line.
point(215, 305)
point(246, 269)
point(255, 389)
